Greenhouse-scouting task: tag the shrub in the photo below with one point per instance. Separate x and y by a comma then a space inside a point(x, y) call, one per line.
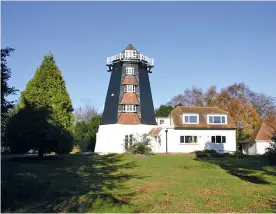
point(139, 145)
point(208, 154)
point(238, 154)
point(271, 153)
point(87, 145)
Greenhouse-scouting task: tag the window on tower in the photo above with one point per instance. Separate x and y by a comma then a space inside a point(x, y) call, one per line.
point(130, 71)
point(129, 108)
point(130, 54)
point(130, 88)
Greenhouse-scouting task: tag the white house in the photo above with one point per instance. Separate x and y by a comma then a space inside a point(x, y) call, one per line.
point(259, 141)
point(188, 129)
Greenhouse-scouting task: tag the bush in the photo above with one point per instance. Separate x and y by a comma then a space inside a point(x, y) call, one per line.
point(139, 145)
point(208, 154)
point(87, 145)
point(238, 154)
point(271, 153)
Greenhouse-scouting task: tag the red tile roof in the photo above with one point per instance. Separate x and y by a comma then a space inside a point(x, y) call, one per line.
point(129, 118)
point(155, 131)
point(129, 80)
point(129, 98)
point(264, 132)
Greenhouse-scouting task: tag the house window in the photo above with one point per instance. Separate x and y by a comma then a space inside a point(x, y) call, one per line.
point(129, 88)
point(190, 118)
point(188, 139)
point(129, 108)
point(217, 119)
point(218, 139)
point(130, 71)
point(161, 122)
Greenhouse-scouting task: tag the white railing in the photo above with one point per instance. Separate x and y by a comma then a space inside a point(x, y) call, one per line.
point(123, 57)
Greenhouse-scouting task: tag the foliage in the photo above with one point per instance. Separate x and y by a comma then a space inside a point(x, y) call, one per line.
point(247, 108)
point(139, 145)
point(85, 133)
point(46, 91)
point(30, 128)
point(6, 90)
point(163, 111)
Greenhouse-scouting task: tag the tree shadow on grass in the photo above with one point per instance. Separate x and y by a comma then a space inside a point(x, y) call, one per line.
point(248, 168)
point(66, 183)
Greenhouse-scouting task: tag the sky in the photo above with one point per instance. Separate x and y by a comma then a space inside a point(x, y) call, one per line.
point(193, 44)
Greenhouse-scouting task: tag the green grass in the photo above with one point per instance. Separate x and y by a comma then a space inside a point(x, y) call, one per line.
point(129, 183)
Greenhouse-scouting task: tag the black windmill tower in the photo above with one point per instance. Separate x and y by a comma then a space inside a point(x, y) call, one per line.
point(129, 99)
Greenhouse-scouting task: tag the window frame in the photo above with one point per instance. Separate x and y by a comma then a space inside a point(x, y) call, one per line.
point(130, 53)
point(129, 108)
point(183, 138)
point(130, 88)
point(216, 115)
point(193, 137)
point(221, 139)
point(189, 115)
point(129, 71)
point(129, 138)
point(163, 121)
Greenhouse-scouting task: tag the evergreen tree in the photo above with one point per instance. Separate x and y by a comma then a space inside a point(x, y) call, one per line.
point(47, 91)
point(163, 111)
point(85, 133)
point(6, 90)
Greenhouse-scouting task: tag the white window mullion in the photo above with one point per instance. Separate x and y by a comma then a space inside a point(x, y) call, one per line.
point(129, 108)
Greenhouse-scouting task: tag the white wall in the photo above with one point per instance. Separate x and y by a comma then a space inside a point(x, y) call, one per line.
point(252, 148)
point(110, 138)
point(255, 148)
point(166, 121)
point(204, 140)
point(261, 146)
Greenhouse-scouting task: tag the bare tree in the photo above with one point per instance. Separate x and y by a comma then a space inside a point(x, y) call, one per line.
point(85, 114)
point(265, 105)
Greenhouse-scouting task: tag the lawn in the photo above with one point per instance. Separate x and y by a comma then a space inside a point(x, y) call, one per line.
point(136, 183)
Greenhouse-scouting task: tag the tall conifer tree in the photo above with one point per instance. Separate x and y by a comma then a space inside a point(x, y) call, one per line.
point(46, 91)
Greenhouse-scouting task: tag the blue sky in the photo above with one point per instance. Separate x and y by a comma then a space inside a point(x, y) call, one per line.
point(193, 44)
